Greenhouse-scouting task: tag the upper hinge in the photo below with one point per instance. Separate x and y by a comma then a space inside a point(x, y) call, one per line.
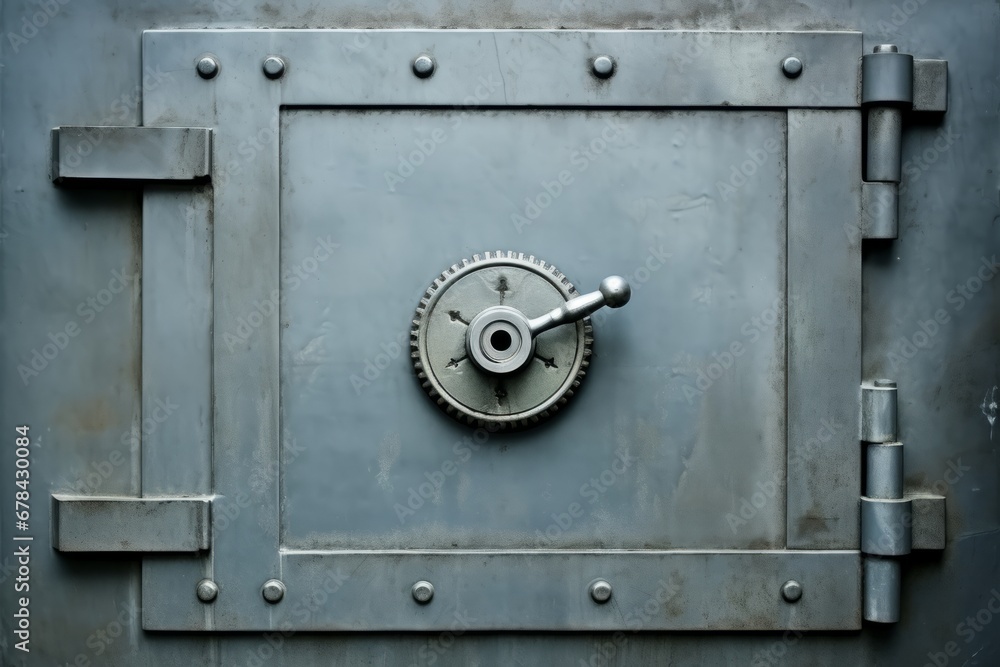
point(891, 83)
point(131, 154)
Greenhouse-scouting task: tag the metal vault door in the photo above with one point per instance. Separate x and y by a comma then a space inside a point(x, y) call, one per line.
point(721, 173)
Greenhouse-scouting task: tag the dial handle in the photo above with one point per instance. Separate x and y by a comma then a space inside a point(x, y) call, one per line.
point(501, 339)
point(613, 292)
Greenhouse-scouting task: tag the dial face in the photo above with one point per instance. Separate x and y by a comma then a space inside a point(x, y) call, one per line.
point(441, 326)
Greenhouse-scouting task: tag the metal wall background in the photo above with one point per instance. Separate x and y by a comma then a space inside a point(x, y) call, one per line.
point(61, 247)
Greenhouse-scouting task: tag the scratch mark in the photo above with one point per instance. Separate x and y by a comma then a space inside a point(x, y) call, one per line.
point(500, 69)
point(549, 363)
point(456, 316)
point(989, 407)
point(503, 288)
point(453, 363)
point(388, 453)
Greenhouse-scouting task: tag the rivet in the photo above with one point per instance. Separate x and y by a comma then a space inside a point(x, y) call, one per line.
point(791, 590)
point(207, 67)
point(273, 67)
point(423, 591)
point(208, 590)
point(603, 67)
point(423, 66)
point(885, 48)
point(273, 590)
point(600, 591)
point(791, 66)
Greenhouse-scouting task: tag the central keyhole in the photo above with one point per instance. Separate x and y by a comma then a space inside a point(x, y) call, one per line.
point(500, 340)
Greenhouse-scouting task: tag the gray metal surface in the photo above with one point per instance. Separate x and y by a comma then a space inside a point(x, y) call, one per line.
point(880, 207)
point(886, 525)
point(929, 521)
point(60, 248)
point(930, 85)
point(878, 409)
point(884, 470)
point(550, 590)
point(824, 329)
point(885, 137)
point(883, 587)
point(94, 523)
point(533, 68)
point(887, 77)
point(131, 153)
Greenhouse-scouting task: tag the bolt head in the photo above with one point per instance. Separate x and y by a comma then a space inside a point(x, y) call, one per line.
point(600, 591)
point(791, 591)
point(273, 67)
point(423, 66)
point(208, 590)
point(603, 67)
point(886, 48)
point(791, 66)
point(273, 590)
point(423, 591)
point(207, 67)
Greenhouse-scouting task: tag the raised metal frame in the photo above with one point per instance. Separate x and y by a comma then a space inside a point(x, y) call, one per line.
point(233, 226)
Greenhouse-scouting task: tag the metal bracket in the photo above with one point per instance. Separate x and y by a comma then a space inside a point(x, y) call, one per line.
point(169, 524)
point(892, 82)
point(133, 154)
point(892, 522)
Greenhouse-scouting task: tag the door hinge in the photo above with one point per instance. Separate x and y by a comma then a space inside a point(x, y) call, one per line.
point(893, 522)
point(891, 83)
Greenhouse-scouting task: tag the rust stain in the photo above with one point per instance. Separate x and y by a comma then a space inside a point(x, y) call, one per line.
point(92, 415)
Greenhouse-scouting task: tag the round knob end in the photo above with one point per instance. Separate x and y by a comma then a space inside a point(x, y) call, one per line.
point(616, 291)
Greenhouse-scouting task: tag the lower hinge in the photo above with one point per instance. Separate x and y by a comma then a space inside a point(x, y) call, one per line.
point(893, 522)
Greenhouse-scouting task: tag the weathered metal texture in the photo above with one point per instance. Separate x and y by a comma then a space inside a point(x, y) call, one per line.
point(544, 67)
point(60, 248)
point(887, 78)
point(885, 140)
point(885, 526)
point(88, 523)
point(930, 85)
point(883, 589)
point(138, 154)
point(884, 478)
point(824, 329)
point(550, 590)
point(929, 521)
point(880, 210)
